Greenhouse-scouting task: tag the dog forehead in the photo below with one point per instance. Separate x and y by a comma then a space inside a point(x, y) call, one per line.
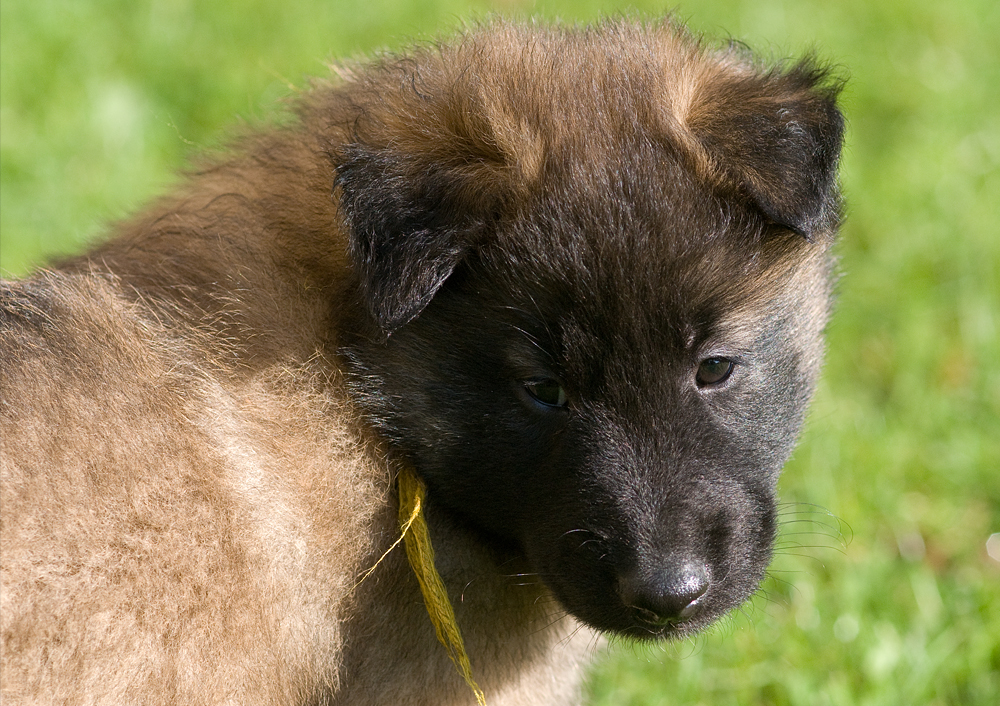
point(636, 228)
point(647, 268)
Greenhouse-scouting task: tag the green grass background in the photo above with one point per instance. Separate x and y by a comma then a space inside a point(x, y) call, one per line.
point(883, 591)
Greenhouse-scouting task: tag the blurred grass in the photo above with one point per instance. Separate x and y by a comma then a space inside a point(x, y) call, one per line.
point(100, 103)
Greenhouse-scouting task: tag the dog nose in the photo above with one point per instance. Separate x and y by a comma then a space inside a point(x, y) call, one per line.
point(667, 594)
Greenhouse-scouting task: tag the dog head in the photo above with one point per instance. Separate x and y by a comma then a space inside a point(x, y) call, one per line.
point(595, 270)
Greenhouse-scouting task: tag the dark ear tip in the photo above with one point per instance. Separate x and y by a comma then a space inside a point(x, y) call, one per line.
point(822, 78)
point(390, 319)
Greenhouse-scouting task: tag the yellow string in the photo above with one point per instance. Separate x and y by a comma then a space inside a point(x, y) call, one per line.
point(421, 555)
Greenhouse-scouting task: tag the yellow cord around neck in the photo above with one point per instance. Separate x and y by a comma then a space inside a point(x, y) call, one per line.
point(421, 555)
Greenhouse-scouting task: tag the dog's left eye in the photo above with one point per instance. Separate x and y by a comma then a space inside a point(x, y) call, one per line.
point(549, 392)
point(713, 371)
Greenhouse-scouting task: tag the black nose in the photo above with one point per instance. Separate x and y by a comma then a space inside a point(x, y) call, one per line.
point(666, 593)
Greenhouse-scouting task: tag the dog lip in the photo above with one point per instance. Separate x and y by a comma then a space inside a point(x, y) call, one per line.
point(653, 618)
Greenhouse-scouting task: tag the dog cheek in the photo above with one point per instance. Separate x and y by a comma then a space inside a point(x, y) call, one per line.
point(740, 536)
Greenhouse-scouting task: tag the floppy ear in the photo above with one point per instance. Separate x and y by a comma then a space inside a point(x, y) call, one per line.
point(411, 222)
point(777, 139)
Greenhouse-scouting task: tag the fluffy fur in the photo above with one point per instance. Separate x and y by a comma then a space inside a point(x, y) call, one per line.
point(577, 277)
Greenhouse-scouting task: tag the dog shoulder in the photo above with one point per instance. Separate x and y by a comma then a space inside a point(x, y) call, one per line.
point(199, 536)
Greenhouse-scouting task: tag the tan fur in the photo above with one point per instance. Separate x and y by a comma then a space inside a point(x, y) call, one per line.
point(188, 493)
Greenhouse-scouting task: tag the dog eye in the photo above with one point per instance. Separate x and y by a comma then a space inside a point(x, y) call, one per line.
point(548, 392)
point(712, 371)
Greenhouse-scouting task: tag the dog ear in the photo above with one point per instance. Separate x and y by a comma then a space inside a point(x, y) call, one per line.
point(777, 139)
point(411, 220)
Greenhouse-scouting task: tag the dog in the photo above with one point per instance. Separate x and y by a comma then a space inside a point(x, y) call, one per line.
point(575, 278)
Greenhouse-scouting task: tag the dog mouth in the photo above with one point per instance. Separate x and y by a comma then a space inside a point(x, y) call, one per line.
point(649, 595)
point(678, 605)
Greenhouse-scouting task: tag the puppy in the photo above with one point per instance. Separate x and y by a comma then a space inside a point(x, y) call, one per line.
point(575, 278)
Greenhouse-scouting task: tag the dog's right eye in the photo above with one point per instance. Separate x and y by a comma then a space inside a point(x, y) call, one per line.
point(548, 392)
